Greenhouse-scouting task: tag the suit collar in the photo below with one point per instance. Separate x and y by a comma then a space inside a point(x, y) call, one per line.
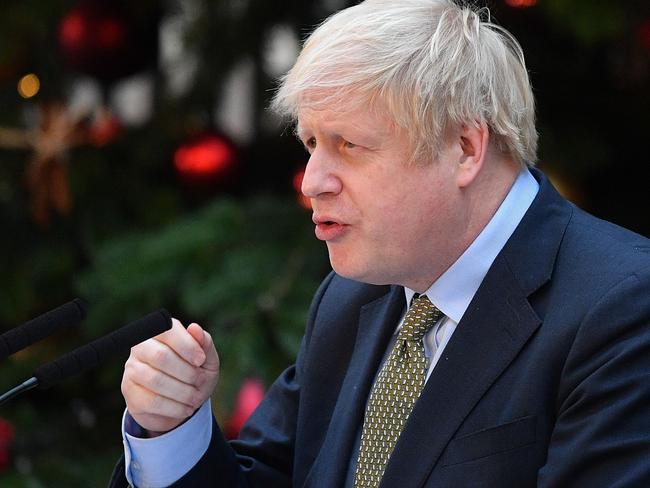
point(453, 291)
point(532, 250)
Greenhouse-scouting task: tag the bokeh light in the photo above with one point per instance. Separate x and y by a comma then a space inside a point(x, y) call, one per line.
point(29, 86)
point(521, 3)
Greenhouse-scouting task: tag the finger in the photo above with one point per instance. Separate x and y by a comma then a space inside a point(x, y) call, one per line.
point(162, 384)
point(182, 343)
point(202, 337)
point(163, 358)
point(141, 401)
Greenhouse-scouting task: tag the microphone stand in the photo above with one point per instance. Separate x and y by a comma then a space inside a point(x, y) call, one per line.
point(14, 392)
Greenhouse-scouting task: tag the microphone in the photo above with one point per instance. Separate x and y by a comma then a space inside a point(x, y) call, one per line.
point(17, 339)
point(90, 355)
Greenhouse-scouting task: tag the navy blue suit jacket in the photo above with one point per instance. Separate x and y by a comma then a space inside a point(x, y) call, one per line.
point(545, 382)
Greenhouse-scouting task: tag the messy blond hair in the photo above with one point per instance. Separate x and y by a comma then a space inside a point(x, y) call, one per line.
point(434, 65)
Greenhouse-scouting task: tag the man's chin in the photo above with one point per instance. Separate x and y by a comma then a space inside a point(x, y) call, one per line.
point(358, 273)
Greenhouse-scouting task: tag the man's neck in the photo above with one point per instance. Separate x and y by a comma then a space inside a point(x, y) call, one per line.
point(480, 200)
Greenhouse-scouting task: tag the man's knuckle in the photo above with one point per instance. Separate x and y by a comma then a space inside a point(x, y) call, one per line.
point(160, 357)
point(155, 402)
point(133, 370)
point(195, 399)
point(124, 387)
point(138, 349)
point(135, 405)
point(156, 380)
point(128, 364)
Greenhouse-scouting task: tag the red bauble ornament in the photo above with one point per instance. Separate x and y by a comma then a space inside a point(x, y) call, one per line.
point(6, 439)
point(97, 38)
point(303, 200)
point(205, 160)
point(249, 397)
point(104, 128)
point(521, 3)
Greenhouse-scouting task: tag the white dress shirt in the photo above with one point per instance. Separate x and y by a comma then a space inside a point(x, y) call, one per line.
point(160, 461)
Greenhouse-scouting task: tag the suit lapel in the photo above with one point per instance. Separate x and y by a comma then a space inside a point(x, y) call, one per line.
point(377, 322)
point(492, 332)
point(495, 327)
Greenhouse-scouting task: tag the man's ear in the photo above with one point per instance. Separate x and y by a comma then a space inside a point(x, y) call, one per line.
point(473, 141)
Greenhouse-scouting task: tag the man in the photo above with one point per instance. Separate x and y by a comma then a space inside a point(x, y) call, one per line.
point(477, 329)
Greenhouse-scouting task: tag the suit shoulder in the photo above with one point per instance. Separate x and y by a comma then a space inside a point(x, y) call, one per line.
point(604, 247)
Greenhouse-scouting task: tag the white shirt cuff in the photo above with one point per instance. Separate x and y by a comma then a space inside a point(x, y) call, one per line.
point(163, 460)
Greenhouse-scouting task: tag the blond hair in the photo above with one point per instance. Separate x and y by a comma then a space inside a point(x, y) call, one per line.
point(434, 65)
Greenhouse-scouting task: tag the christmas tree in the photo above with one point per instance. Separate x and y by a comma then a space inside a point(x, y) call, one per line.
point(140, 168)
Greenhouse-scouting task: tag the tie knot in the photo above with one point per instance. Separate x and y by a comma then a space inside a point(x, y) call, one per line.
point(419, 319)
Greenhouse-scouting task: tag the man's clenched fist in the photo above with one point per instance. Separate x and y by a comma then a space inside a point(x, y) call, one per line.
point(167, 378)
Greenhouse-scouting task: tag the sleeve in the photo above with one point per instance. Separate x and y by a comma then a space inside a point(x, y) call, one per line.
point(602, 432)
point(160, 461)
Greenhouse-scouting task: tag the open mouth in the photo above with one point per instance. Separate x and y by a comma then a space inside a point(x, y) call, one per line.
point(329, 229)
point(324, 221)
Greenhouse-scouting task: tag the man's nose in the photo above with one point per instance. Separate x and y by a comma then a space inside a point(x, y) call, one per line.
point(320, 178)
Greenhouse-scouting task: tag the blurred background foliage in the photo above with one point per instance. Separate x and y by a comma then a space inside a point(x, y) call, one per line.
point(139, 168)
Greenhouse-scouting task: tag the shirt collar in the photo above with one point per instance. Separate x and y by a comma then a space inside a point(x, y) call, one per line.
point(453, 291)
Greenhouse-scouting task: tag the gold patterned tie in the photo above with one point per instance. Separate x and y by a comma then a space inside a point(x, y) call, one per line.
point(396, 389)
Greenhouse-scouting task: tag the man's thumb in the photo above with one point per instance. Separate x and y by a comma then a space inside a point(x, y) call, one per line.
point(205, 341)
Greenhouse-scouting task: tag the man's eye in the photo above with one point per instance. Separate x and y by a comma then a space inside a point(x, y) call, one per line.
point(310, 143)
point(349, 145)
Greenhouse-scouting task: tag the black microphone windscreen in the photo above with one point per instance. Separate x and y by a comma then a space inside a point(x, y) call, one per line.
point(90, 355)
point(67, 315)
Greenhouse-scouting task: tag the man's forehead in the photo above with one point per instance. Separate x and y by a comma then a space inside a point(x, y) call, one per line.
point(353, 115)
point(331, 111)
point(336, 101)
